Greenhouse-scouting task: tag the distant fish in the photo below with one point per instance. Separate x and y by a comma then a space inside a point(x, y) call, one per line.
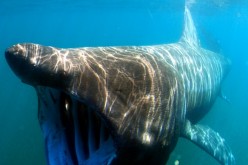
point(123, 105)
point(224, 97)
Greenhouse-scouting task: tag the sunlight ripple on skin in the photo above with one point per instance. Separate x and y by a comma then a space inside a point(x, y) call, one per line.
point(145, 98)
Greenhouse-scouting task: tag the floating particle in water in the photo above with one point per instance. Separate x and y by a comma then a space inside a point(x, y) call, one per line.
point(176, 162)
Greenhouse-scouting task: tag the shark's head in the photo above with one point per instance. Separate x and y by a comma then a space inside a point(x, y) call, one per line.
point(88, 119)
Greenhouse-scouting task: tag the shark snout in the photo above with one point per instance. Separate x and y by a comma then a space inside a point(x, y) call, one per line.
point(16, 51)
point(15, 57)
point(20, 58)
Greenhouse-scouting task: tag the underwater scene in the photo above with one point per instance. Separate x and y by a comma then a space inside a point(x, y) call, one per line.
point(221, 26)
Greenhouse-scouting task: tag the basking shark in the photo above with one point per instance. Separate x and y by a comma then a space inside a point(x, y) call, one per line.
point(125, 104)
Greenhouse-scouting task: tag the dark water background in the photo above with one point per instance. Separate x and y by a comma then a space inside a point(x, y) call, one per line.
point(222, 26)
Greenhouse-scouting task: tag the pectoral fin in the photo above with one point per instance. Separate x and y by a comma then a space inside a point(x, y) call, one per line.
point(210, 141)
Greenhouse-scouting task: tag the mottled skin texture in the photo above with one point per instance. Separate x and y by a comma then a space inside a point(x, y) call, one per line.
point(146, 95)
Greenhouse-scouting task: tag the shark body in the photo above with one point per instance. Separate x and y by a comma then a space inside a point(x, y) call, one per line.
point(123, 105)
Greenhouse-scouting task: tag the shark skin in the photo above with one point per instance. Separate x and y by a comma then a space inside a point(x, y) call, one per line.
point(124, 104)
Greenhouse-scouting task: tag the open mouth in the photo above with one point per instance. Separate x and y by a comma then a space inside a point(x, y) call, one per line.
point(73, 131)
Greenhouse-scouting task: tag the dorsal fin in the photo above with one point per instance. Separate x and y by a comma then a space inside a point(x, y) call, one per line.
point(189, 34)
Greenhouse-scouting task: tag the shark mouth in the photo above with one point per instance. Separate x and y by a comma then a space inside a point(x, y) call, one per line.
point(74, 133)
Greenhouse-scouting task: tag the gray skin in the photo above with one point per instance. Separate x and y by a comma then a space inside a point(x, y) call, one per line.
point(145, 97)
